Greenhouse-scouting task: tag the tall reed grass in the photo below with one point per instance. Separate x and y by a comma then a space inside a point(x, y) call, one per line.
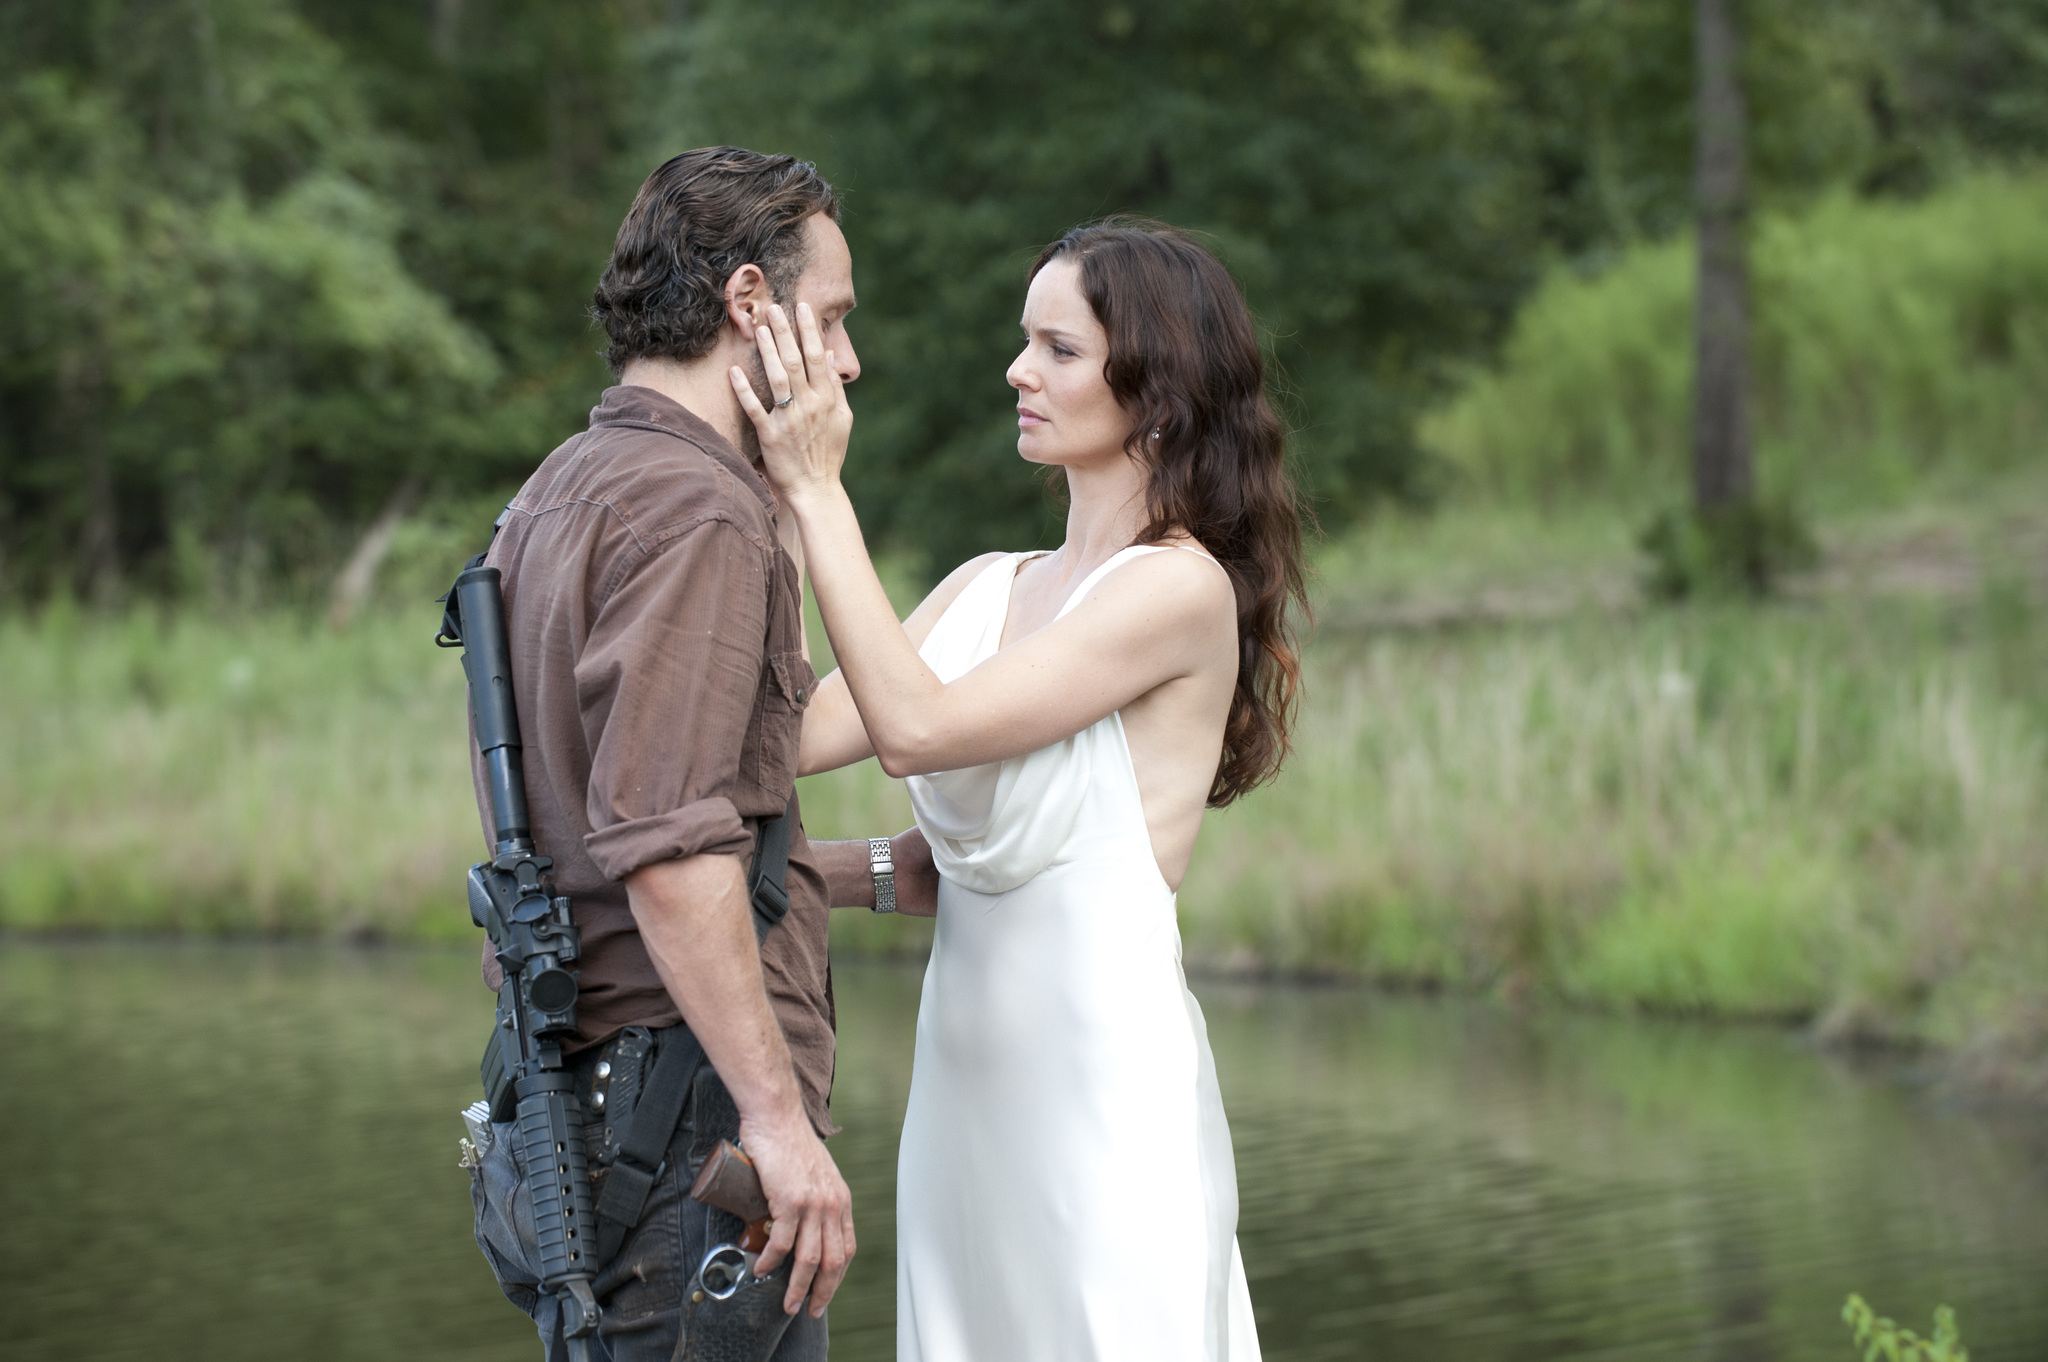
point(1828, 811)
point(1896, 344)
point(180, 773)
point(1822, 814)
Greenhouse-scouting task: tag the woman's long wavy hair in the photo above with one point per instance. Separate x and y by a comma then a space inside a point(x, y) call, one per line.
point(1184, 360)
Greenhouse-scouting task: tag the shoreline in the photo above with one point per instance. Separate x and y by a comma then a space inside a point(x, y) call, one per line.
point(1950, 1076)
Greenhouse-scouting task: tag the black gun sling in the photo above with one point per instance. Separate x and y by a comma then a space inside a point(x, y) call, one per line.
point(644, 1146)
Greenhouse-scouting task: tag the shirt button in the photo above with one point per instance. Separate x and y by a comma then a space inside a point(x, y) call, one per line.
point(802, 695)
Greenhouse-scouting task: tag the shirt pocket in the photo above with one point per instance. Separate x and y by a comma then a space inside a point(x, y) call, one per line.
point(786, 694)
point(791, 678)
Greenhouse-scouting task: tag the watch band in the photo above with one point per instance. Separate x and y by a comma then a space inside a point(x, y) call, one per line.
point(881, 860)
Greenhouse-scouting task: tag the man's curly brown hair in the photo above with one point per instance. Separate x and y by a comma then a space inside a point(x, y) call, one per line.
point(698, 218)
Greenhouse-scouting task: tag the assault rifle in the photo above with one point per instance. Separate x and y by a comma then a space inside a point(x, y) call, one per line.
point(512, 897)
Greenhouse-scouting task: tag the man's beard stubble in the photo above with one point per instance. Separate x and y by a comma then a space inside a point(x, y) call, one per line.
point(750, 439)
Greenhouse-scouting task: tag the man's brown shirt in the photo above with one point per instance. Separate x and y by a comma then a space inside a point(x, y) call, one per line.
point(656, 635)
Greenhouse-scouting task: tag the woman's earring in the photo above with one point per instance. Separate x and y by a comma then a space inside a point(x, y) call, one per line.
point(1155, 432)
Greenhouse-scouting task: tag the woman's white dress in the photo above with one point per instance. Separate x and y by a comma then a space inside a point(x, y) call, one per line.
point(1065, 1186)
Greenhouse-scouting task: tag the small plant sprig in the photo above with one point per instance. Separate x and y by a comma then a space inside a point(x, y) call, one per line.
point(1880, 1337)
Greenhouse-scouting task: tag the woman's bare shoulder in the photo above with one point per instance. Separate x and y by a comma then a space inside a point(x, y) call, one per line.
point(1191, 573)
point(1179, 590)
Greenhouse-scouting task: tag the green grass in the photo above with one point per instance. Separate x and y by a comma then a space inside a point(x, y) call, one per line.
point(1822, 810)
point(1806, 811)
point(176, 773)
point(1813, 811)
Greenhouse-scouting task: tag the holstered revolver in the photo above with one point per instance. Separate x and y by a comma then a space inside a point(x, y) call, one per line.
point(732, 1313)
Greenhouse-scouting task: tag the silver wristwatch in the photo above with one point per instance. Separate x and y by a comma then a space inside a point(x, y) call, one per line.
point(882, 861)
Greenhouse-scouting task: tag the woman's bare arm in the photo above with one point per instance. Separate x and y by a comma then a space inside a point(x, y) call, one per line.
point(1154, 621)
point(1151, 622)
point(833, 734)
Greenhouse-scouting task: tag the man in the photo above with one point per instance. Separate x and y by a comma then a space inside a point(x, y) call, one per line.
point(653, 608)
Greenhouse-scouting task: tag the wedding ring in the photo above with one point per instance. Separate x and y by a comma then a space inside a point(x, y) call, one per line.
point(785, 401)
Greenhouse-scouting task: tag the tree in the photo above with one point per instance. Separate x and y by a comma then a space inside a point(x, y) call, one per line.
point(1732, 540)
point(265, 265)
point(1349, 172)
point(1722, 476)
point(242, 309)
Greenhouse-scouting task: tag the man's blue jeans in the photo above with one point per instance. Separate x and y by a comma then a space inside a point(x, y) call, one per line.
point(641, 1290)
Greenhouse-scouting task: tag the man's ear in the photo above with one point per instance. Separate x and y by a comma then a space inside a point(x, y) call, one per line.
point(747, 299)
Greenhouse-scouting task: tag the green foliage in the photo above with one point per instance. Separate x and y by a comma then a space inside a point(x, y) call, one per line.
point(1951, 81)
point(1744, 548)
point(521, 121)
point(1897, 346)
point(265, 262)
point(1879, 1337)
point(222, 338)
point(259, 776)
point(1719, 937)
point(1824, 813)
point(1600, 93)
point(1384, 178)
point(1348, 170)
point(211, 348)
point(1889, 97)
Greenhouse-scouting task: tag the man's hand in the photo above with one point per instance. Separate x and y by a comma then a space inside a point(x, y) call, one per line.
point(698, 927)
point(917, 878)
point(850, 877)
point(811, 1206)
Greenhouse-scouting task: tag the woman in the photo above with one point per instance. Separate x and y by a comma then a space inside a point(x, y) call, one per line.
point(1066, 1189)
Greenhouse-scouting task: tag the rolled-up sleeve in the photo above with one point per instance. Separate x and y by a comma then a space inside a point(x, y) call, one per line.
point(665, 687)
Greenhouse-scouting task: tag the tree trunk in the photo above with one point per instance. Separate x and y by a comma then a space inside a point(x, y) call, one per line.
point(447, 29)
point(359, 575)
point(102, 547)
point(1721, 465)
point(82, 402)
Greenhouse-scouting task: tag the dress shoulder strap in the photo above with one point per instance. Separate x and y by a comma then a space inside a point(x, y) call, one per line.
point(1118, 559)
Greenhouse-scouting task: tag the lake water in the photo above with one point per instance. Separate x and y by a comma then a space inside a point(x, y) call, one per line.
point(232, 1153)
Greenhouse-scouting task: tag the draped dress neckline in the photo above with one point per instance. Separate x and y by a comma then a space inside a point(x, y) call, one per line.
point(1019, 561)
point(994, 826)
